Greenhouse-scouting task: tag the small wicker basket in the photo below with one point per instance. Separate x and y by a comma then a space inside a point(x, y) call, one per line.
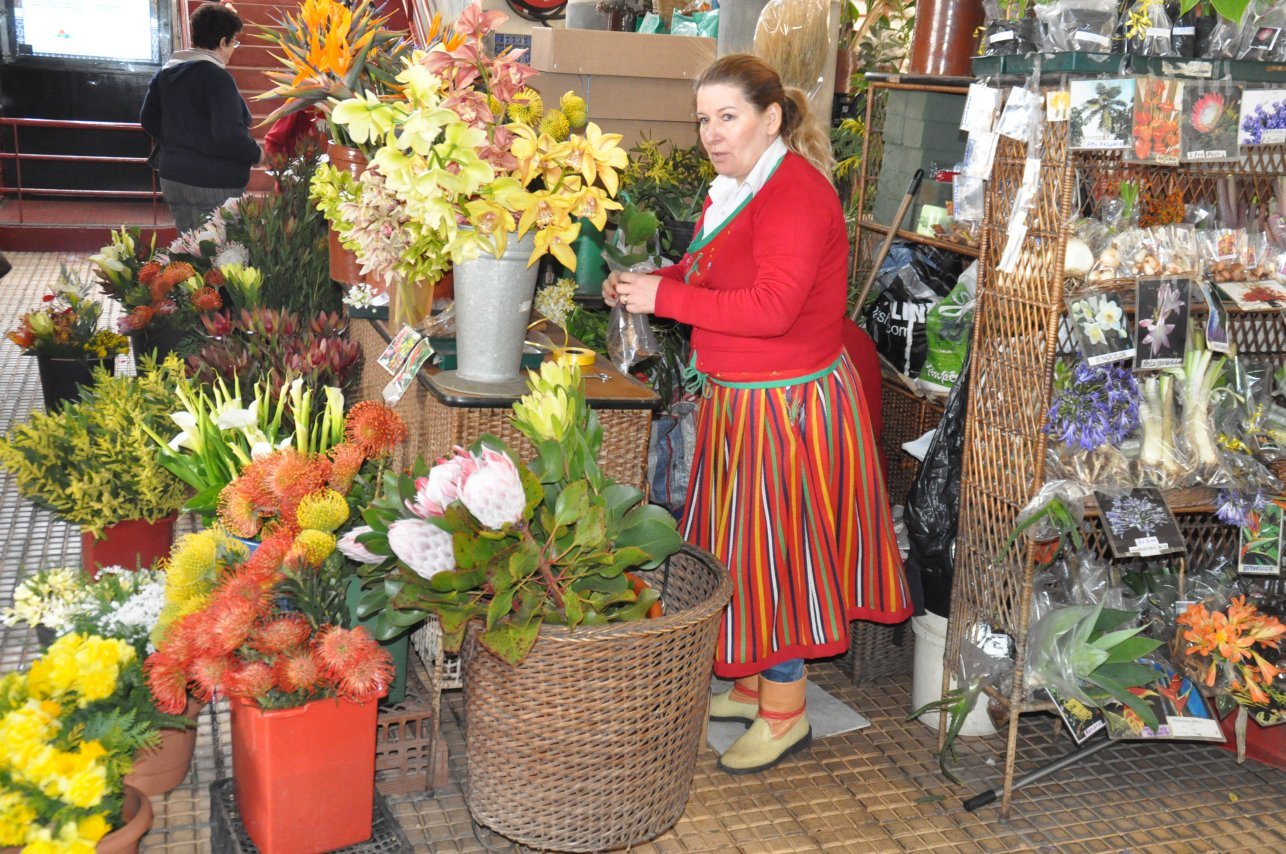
point(591, 743)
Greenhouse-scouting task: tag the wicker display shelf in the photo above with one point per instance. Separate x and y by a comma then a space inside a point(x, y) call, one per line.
point(1015, 346)
point(440, 421)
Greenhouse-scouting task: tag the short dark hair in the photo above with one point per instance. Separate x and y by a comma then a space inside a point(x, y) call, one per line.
point(212, 23)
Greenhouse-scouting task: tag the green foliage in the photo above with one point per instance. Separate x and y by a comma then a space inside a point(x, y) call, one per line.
point(95, 462)
point(563, 561)
point(1233, 10)
point(286, 237)
point(635, 230)
point(668, 179)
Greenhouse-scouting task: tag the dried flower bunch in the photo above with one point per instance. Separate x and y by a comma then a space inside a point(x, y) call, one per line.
point(66, 325)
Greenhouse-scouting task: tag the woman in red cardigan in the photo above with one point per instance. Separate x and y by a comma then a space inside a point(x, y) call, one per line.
point(786, 486)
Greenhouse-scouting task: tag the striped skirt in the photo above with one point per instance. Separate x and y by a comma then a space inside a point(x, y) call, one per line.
point(786, 489)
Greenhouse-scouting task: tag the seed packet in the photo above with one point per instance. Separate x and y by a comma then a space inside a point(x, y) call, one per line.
point(1139, 523)
point(394, 355)
point(1099, 324)
point(1157, 104)
point(1102, 113)
point(1261, 543)
point(1147, 30)
point(420, 353)
point(1161, 326)
point(1217, 338)
point(1208, 131)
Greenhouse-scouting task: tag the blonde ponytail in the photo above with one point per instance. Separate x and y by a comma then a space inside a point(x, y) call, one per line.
point(803, 133)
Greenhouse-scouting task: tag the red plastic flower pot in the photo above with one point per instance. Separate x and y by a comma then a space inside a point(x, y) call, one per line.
point(1266, 744)
point(132, 544)
point(305, 777)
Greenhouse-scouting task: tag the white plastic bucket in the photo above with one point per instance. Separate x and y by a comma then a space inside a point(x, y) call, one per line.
point(926, 680)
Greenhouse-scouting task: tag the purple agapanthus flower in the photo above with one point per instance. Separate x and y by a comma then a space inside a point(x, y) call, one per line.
point(1234, 507)
point(1094, 406)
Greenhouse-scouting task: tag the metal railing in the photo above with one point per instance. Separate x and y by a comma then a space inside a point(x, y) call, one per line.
point(19, 157)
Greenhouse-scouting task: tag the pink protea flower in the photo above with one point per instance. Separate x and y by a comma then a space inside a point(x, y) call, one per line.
point(355, 551)
point(443, 484)
point(422, 546)
point(493, 493)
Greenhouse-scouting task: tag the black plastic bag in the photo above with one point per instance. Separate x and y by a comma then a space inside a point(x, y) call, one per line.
point(912, 279)
point(933, 507)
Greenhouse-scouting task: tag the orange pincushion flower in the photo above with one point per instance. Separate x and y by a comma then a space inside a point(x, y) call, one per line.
point(140, 316)
point(374, 428)
point(237, 510)
point(297, 671)
point(289, 475)
point(214, 277)
point(178, 271)
point(206, 299)
point(230, 623)
point(346, 461)
point(251, 482)
point(251, 587)
point(148, 272)
point(251, 679)
point(207, 673)
point(280, 635)
point(168, 683)
point(351, 656)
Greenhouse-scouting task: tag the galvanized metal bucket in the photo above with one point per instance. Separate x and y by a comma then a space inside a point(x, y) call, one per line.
point(492, 308)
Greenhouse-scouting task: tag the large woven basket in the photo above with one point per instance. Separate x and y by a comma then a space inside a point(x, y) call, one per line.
point(591, 743)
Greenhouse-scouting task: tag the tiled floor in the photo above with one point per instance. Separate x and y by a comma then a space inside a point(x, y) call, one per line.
point(876, 790)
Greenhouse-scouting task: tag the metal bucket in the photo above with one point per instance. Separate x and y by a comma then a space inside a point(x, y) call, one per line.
point(492, 309)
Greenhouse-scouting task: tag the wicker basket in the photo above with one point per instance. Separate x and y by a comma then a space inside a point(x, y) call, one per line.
point(876, 650)
point(906, 417)
point(591, 743)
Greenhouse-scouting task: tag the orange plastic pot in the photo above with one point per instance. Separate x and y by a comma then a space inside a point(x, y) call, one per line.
point(132, 544)
point(305, 777)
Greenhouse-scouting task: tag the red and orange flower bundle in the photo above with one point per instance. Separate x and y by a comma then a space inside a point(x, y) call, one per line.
point(1228, 640)
point(271, 629)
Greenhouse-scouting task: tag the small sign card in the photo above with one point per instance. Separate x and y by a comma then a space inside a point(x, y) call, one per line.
point(1099, 324)
point(1139, 523)
point(420, 353)
point(397, 351)
point(1261, 542)
point(1216, 321)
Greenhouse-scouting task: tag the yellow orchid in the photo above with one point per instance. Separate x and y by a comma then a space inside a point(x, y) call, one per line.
point(367, 119)
point(492, 223)
point(610, 158)
point(593, 204)
point(557, 240)
point(545, 210)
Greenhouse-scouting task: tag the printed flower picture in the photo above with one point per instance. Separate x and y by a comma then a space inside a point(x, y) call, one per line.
point(1261, 541)
point(1139, 523)
point(1101, 113)
point(1157, 106)
point(1263, 117)
point(1209, 122)
point(1162, 329)
point(1098, 322)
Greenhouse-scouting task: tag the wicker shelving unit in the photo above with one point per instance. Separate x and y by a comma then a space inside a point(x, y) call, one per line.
point(1015, 345)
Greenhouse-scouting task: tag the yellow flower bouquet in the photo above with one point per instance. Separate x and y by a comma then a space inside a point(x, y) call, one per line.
point(450, 178)
point(69, 729)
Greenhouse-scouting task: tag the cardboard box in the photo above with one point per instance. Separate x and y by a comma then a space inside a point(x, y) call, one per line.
point(619, 54)
point(634, 84)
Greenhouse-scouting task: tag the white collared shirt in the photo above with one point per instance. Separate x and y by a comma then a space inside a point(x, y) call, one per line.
point(726, 194)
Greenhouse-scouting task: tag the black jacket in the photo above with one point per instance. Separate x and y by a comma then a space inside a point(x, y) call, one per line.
point(194, 110)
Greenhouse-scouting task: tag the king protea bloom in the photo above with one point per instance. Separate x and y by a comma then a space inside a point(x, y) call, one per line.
point(1207, 112)
point(355, 551)
point(422, 546)
point(494, 493)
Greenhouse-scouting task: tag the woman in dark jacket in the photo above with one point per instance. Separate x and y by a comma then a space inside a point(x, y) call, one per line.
point(202, 124)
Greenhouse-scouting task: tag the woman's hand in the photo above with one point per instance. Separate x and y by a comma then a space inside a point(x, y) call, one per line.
point(636, 291)
point(609, 288)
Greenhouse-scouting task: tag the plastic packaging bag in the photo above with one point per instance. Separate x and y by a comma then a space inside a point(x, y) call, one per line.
point(911, 280)
point(793, 36)
point(1147, 30)
point(1006, 36)
point(947, 330)
point(1222, 41)
point(1077, 25)
point(1263, 38)
point(630, 338)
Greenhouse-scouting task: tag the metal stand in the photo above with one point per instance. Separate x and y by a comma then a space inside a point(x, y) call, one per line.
point(983, 798)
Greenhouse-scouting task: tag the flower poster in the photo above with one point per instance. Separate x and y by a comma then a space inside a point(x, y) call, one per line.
point(1260, 552)
point(1208, 129)
point(1099, 325)
point(1255, 296)
point(1101, 113)
point(1161, 330)
point(1158, 102)
point(1181, 712)
point(1139, 523)
point(1263, 117)
point(1082, 720)
point(1217, 337)
point(397, 351)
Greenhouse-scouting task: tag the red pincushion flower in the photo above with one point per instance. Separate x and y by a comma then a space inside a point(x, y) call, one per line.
point(280, 635)
point(148, 272)
point(207, 299)
point(230, 622)
point(214, 277)
point(374, 428)
point(289, 475)
point(178, 271)
point(251, 679)
point(237, 510)
point(140, 316)
point(168, 683)
point(346, 460)
point(297, 671)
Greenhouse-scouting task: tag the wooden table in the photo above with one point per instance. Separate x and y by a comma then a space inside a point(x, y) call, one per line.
point(439, 419)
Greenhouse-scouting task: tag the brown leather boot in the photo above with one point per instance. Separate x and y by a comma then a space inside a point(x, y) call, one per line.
point(740, 703)
point(780, 729)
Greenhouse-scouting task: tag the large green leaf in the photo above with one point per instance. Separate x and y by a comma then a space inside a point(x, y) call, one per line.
point(1085, 658)
point(572, 503)
point(1119, 693)
point(457, 580)
point(500, 606)
point(511, 640)
point(1129, 674)
point(1111, 639)
point(592, 529)
point(1132, 650)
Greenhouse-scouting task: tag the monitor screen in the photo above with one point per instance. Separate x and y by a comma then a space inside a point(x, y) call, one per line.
point(125, 31)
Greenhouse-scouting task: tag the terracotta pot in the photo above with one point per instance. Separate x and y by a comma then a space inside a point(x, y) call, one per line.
point(305, 776)
point(344, 266)
point(132, 543)
point(945, 37)
point(165, 766)
point(137, 816)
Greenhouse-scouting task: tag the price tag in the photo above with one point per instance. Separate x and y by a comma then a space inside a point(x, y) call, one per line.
point(1002, 36)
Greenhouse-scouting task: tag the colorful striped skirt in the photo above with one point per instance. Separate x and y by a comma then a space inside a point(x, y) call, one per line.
point(786, 489)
